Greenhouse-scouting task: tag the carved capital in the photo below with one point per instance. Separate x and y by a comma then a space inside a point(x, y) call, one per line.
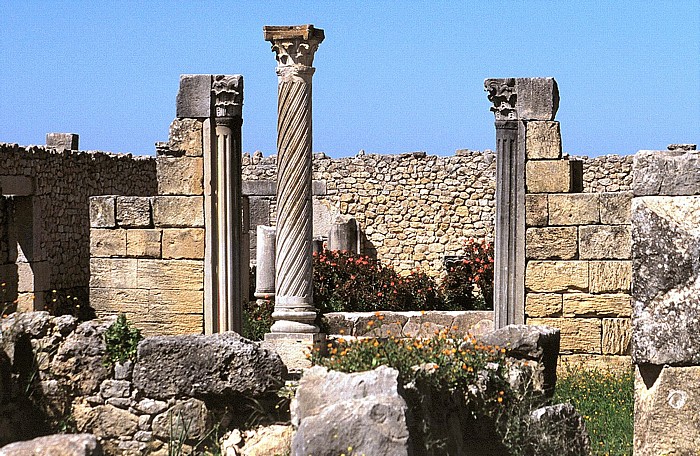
point(228, 95)
point(503, 95)
point(294, 48)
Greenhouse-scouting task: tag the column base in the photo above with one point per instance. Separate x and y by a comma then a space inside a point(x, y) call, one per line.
point(293, 347)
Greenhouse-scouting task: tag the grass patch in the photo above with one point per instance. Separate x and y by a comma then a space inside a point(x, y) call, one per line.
point(606, 402)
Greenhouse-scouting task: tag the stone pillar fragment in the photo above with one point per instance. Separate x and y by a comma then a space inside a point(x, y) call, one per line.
point(66, 141)
point(294, 47)
point(265, 257)
point(344, 235)
point(515, 103)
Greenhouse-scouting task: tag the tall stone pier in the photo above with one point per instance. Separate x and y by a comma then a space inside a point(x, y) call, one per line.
point(516, 102)
point(294, 312)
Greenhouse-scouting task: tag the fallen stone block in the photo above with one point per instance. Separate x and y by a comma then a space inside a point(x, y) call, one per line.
point(55, 445)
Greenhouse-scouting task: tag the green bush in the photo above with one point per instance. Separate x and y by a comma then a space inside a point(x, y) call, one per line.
point(121, 340)
point(257, 319)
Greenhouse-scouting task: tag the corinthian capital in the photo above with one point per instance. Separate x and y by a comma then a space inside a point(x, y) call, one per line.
point(228, 95)
point(294, 46)
point(523, 98)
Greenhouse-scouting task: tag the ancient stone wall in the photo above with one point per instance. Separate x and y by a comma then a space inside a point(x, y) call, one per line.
point(607, 173)
point(50, 217)
point(578, 254)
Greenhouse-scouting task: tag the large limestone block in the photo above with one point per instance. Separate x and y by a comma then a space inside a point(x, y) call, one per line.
point(106, 243)
point(610, 276)
point(133, 211)
point(194, 96)
point(573, 209)
point(186, 137)
point(113, 273)
point(543, 304)
point(178, 211)
point(180, 175)
point(55, 445)
point(538, 98)
point(616, 208)
point(190, 419)
point(170, 274)
point(536, 213)
point(183, 243)
point(551, 243)
point(218, 366)
point(597, 305)
point(666, 410)
point(666, 278)
point(335, 411)
point(143, 243)
point(617, 336)
point(131, 301)
point(548, 176)
point(103, 211)
point(600, 242)
point(543, 140)
point(556, 276)
point(612, 363)
point(578, 335)
point(666, 173)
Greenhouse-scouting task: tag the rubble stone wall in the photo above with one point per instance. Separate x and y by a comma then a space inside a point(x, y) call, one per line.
point(413, 209)
point(56, 202)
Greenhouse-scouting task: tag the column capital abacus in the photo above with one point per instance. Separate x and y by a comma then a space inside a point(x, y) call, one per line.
point(294, 47)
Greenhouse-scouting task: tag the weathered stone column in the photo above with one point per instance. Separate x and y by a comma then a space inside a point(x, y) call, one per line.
point(294, 47)
point(515, 102)
point(265, 257)
point(344, 235)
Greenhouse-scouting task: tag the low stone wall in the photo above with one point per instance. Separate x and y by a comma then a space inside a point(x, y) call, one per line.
point(45, 211)
point(607, 173)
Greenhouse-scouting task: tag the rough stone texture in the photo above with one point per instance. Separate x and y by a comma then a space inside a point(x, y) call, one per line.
point(62, 141)
point(666, 295)
point(543, 304)
point(222, 364)
point(573, 209)
point(551, 243)
point(107, 421)
point(180, 176)
point(538, 98)
point(612, 363)
point(194, 96)
point(554, 276)
point(178, 211)
point(616, 208)
point(666, 411)
point(610, 276)
point(106, 243)
point(670, 173)
point(55, 445)
point(186, 138)
point(102, 212)
point(543, 140)
point(599, 242)
point(578, 335)
point(617, 336)
point(363, 411)
point(536, 212)
point(143, 243)
point(562, 423)
point(186, 243)
point(548, 176)
point(189, 419)
point(134, 212)
point(265, 440)
point(599, 305)
point(607, 173)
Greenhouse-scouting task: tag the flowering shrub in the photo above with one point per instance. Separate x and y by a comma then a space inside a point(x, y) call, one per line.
point(257, 318)
point(475, 270)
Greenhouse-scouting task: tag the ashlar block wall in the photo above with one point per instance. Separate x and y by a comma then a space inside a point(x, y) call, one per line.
point(578, 254)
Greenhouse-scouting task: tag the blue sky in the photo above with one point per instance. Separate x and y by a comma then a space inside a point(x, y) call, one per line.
point(391, 76)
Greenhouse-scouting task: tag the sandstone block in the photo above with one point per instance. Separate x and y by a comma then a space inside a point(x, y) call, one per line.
point(143, 243)
point(536, 212)
point(190, 419)
point(186, 137)
point(178, 211)
point(68, 141)
point(102, 211)
point(133, 211)
point(667, 173)
point(551, 243)
point(538, 98)
point(543, 304)
point(543, 140)
point(611, 363)
point(108, 301)
point(666, 292)
point(106, 243)
point(180, 175)
point(599, 242)
point(170, 274)
point(617, 336)
point(666, 410)
point(171, 325)
point(112, 273)
point(183, 243)
point(164, 303)
point(578, 335)
point(598, 305)
point(610, 276)
point(55, 445)
point(573, 209)
point(259, 187)
point(548, 176)
point(616, 208)
point(556, 276)
point(111, 422)
point(194, 96)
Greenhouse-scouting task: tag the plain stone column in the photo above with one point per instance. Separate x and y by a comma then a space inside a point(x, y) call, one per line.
point(344, 235)
point(265, 257)
point(294, 47)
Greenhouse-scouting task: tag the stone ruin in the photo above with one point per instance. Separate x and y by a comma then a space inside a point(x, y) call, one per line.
point(601, 249)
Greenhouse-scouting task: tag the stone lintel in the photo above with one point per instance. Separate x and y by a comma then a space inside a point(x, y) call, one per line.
point(285, 32)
